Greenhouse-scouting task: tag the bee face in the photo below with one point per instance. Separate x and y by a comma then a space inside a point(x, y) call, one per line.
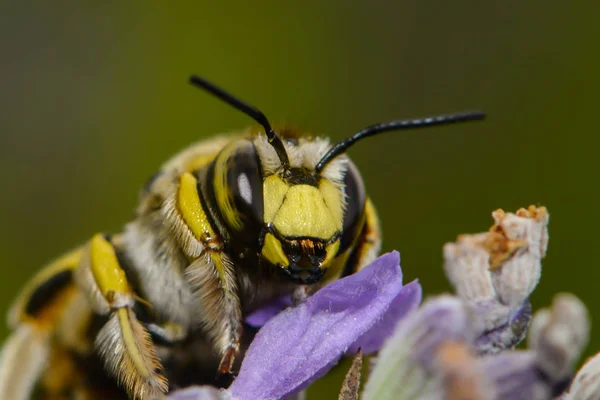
point(304, 222)
point(298, 219)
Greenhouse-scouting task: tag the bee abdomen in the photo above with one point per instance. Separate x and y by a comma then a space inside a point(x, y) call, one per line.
point(44, 297)
point(47, 292)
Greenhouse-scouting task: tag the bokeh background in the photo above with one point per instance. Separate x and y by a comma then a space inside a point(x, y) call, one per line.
point(93, 98)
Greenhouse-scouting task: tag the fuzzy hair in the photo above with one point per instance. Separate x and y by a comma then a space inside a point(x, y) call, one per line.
point(117, 356)
point(305, 154)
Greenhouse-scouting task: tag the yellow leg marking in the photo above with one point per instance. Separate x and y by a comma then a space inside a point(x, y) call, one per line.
point(131, 342)
point(129, 355)
point(109, 276)
point(123, 343)
point(191, 209)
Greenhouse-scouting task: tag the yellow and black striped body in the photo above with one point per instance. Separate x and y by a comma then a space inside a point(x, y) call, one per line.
point(220, 230)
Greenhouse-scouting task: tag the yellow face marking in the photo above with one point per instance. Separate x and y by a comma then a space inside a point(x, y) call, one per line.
point(331, 251)
point(273, 252)
point(105, 267)
point(190, 207)
point(305, 213)
point(334, 199)
point(274, 190)
point(222, 193)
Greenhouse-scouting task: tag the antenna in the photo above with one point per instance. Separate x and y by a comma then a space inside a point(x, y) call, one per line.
point(249, 110)
point(400, 125)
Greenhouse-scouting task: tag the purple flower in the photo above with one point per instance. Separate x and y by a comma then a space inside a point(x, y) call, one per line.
point(454, 347)
point(302, 343)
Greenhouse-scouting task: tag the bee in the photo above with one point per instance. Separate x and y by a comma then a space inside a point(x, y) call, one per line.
point(226, 226)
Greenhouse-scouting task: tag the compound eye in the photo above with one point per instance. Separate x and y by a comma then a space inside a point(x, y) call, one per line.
point(355, 206)
point(244, 180)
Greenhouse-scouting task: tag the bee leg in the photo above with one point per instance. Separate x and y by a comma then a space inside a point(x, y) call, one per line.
point(227, 360)
point(123, 343)
point(167, 334)
point(213, 282)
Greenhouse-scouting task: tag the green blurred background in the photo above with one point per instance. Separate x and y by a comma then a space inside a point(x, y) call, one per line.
point(94, 98)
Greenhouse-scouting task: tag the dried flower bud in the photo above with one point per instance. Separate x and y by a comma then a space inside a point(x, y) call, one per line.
point(495, 272)
point(504, 263)
point(467, 266)
point(558, 335)
point(520, 271)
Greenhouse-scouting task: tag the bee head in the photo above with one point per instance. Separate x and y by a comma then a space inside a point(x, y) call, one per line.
point(300, 201)
point(310, 217)
point(296, 218)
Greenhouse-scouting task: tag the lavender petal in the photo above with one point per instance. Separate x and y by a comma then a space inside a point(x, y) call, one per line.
point(260, 317)
point(301, 343)
point(372, 340)
point(200, 393)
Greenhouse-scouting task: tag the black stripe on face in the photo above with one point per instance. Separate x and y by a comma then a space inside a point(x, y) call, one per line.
point(234, 188)
point(208, 201)
point(301, 176)
point(245, 183)
point(354, 214)
point(44, 294)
